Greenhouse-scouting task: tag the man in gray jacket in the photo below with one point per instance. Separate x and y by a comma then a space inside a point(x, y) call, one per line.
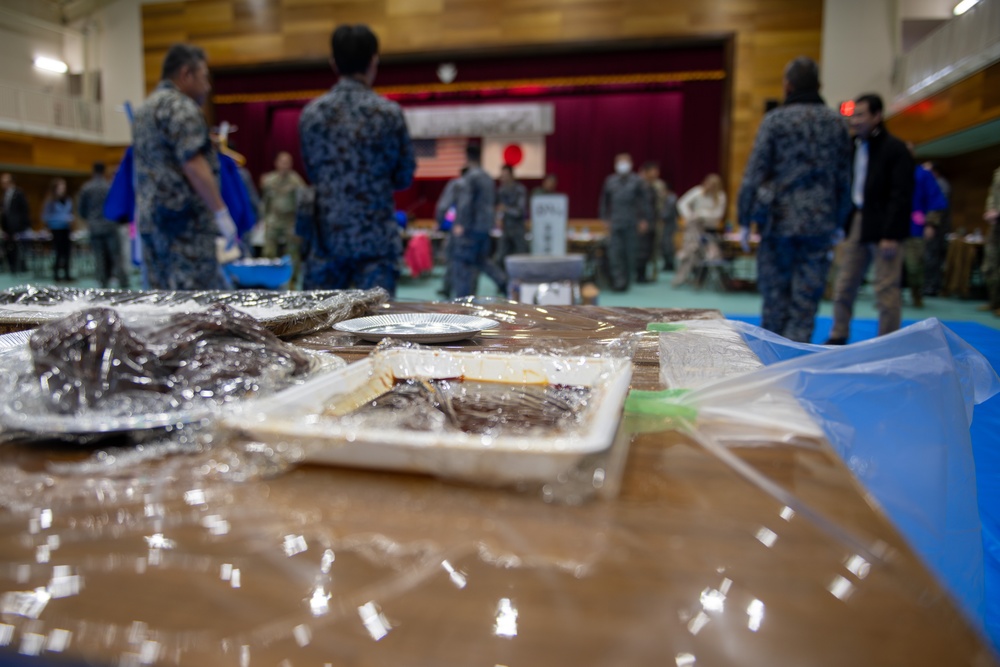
point(475, 213)
point(103, 233)
point(627, 207)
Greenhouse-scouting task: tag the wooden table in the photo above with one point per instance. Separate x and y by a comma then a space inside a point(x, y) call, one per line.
point(963, 258)
point(221, 556)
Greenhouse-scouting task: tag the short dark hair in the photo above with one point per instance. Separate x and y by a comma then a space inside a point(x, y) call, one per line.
point(98, 168)
point(873, 100)
point(180, 56)
point(473, 152)
point(353, 47)
point(508, 167)
point(650, 164)
point(802, 75)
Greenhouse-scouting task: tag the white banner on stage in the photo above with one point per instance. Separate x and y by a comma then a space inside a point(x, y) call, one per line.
point(480, 120)
point(549, 215)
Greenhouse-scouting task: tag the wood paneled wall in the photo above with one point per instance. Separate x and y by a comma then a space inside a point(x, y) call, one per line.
point(967, 103)
point(35, 161)
point(970, 176)
point(56, 156)
point(766, 34)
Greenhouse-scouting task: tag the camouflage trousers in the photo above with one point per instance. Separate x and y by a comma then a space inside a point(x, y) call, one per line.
point(856, 257)
point(332, 273)
point(182, 262)
point(791, 276)
point(280, 239)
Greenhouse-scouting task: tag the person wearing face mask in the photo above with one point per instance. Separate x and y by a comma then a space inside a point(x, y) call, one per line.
point(702, 208)
point(627, 207)
point(356, 150)
point(179, 206)
point(882, 194)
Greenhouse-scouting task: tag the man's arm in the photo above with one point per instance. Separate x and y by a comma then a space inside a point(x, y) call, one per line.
point(407, 164)
point(993, 200)
point(646, 206)
point(201, 178)
point(896, 225)
point(605, 205)
point(464, 205)
point(843, 175)
point(756, 173)
point(83, 205)
point(901, 183)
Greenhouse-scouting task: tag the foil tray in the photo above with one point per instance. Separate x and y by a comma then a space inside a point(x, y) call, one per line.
point(417, 327)
point(286, 314)
point(31, 417)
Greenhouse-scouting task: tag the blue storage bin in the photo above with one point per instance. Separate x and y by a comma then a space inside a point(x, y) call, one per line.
point(260, 273)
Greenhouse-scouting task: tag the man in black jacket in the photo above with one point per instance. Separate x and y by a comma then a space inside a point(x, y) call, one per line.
point(882, 193)
point(14, 219)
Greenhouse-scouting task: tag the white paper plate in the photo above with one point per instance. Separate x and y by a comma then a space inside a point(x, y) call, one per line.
point(417, 327)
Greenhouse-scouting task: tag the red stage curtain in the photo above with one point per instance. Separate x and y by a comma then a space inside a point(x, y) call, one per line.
point(681, 129)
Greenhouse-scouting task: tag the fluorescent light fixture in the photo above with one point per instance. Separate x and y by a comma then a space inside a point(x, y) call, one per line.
point(51, 65)
point(964, 6)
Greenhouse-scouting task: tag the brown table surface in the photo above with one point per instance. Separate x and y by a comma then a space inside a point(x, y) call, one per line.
point(214, 556)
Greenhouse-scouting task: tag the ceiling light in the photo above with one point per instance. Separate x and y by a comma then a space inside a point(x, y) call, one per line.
point(51, 65)
point(964, 6)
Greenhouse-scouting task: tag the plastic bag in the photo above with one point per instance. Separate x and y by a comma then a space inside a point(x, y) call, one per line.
point(897, 409)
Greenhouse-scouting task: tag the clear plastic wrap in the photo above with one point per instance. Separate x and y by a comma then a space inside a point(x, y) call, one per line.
point(897, 409)
point(286, 314)
point(525, 418)
point(196, 552)
point(90, 373)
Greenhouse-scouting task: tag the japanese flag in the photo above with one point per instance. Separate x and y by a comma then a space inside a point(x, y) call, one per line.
point(526, 154)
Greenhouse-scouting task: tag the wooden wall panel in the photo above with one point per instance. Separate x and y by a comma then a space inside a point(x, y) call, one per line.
point(56, 156)
point(35, 161)
point(970, 102)
point(766, 35)
point(970, 176)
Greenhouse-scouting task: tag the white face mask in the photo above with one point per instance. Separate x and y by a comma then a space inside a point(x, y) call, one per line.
point(623, 167)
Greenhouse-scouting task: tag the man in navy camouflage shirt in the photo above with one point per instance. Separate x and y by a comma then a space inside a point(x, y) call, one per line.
point(180, 208)
point(797, 188)
point(356, 150)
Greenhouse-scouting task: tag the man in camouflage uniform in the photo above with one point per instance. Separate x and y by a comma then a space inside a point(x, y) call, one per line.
point(991, 257)
point(512, 210)
point(652, 240)
point(627, 207)
point(470, 234)
point(280, 189)
point(797, 189)
point(357, 150)
point(180, 208)
point(103, 233)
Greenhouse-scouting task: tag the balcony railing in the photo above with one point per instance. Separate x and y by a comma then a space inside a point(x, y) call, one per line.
point(37, 112)
point(959, 48)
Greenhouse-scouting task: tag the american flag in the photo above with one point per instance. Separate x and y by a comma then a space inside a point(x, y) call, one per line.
point(439, 158)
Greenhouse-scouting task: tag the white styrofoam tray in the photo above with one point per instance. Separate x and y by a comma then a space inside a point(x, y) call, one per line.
point(295, 416)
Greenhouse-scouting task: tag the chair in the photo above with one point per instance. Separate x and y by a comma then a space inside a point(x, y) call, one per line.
point(711, 266)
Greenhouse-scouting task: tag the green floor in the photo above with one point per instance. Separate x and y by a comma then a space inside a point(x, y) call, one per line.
point(661, 295)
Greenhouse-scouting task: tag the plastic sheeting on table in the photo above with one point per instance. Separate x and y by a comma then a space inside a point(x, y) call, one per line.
point(897, 409)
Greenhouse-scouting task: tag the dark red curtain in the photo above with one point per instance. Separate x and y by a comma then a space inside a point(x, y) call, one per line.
point(678, 124)
point(679, 129)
